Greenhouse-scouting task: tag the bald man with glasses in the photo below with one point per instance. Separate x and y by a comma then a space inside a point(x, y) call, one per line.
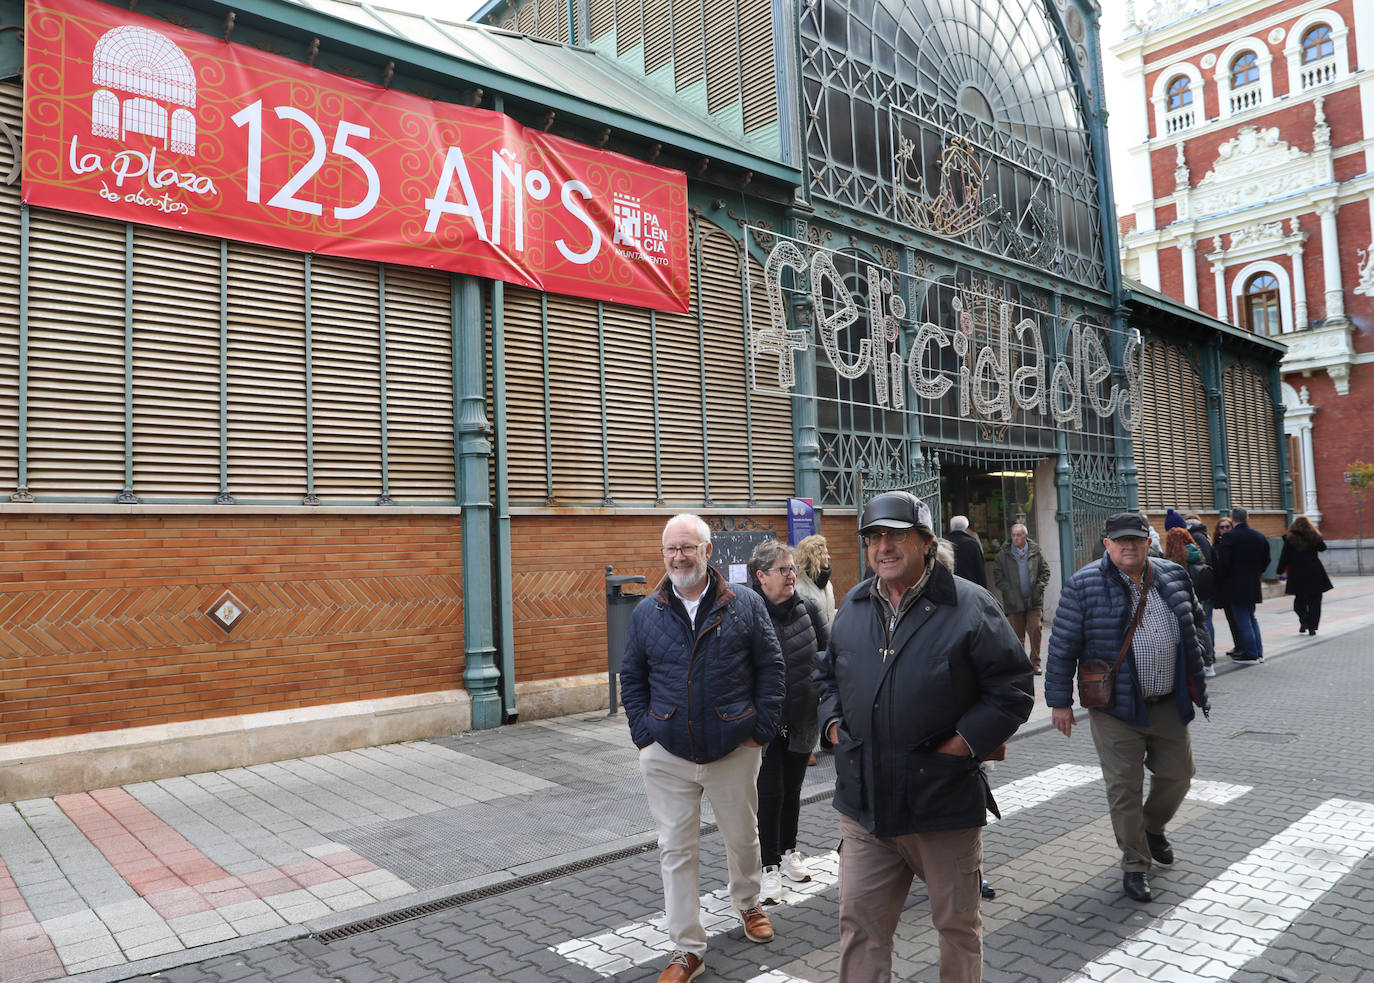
point(702, 685)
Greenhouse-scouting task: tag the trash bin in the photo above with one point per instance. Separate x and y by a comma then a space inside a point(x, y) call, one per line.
point(618, 608)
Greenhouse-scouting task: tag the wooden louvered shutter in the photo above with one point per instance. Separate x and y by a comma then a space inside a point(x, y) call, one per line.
point(553, 20)
point(689, 51)
point(1250, 440)
point(346, 364)
point(574, 401)
point(601, 15)
point(76, 355)
point(526, 435)
point(1173, 449)
point(658, 35)
point(419, 385)
point(677, 360)
point(723, 67)
point(630, 404)
point(759, 82)
point(176, 292)
point(775, 476)
point(722, 302)
point(628, 26)
point(267, 438)
point(11, 113)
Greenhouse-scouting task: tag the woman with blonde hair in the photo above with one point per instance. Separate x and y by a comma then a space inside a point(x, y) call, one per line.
point(813, 575)
point(1307, 579)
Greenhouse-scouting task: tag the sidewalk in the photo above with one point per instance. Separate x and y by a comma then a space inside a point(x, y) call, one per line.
point(129, 881)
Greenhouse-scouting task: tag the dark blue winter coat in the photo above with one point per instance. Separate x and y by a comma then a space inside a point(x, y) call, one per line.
point(1094, 612)
point(702, 694)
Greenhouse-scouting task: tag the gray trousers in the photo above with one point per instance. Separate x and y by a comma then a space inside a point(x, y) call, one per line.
point(1125, 752)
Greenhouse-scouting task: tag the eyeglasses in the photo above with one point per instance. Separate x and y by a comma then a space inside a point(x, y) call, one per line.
point(785, 571)
point(689, 550)
point(892, 536)
point(1225, 526)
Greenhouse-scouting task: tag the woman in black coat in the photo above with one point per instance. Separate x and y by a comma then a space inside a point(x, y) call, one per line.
point(802, 632)
point(1307, 579)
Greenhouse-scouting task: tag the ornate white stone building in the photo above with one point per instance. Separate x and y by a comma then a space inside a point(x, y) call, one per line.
point(1259, 157)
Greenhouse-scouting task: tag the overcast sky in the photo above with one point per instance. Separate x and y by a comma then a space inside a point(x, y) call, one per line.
point(1125, 125)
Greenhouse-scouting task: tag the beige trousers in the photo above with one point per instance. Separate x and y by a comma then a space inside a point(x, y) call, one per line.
point(1125, 752)
point(875, 877)
point(674, 787)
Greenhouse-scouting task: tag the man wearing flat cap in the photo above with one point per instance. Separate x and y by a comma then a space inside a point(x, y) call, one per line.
point(1141, 614)
point(922, 681)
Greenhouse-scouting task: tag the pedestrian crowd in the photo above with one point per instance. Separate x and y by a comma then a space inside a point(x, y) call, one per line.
point(915, 680)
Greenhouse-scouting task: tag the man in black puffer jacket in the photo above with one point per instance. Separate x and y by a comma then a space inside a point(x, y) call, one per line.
point(923, 680)
point(702, 685)
point(1157, 685)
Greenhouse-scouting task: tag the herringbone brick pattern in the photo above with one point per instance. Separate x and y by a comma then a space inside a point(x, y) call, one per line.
point(124, 619)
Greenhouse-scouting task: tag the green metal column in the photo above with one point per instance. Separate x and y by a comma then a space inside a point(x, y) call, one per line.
point(480, 675)
point(505, 607)
point(1281, 442)
point(1125, 440)
point(1216, 426)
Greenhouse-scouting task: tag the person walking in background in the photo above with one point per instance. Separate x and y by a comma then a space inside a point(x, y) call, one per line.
point(702, 685)
point(1242, 556)
point(1180, 548)
point(1198, 529)
point(968, 552)
point(1225, 525)
point(1307, 579)
point(813, 575)
point(802, 632)
point(922, 681)
point(1129, 609)
point(1021, 574)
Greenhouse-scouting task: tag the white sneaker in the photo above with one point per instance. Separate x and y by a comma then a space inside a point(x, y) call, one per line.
point(1209, 671)
point(771, 889)
point(795, 867)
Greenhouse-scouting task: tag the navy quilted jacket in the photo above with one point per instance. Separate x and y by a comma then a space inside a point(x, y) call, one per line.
point(700, 695)
point(1090, 623)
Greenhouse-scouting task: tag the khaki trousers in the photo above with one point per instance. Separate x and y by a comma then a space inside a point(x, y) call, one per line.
point(1125, 752)
point(1027, 623)
point(674, 787)
point(875, 877)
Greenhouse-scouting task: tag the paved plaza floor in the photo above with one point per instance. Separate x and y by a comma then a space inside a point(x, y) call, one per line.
point(527, 853)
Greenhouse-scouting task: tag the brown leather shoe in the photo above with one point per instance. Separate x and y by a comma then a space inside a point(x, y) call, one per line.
point(756, 924)
point(682, 967)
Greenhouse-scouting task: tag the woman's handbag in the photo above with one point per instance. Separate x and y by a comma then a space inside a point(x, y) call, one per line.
point(1097, 677)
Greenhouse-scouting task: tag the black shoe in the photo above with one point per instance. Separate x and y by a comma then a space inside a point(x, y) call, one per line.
point(1311, 631)
point(1235, 652)
point(1136, 886)
point(1160, 849)
point(1247, 658)
point(987, 891)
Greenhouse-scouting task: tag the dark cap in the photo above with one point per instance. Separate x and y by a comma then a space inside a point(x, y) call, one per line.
point(896, 510)
point(1124, 525)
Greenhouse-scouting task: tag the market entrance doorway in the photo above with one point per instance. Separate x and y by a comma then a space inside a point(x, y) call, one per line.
point(993, 496)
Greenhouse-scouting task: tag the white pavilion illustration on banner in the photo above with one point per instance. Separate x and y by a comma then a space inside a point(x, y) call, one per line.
point(151, 72)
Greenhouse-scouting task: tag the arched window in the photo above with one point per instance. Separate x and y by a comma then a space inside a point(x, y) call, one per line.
point(1180, 93)
point(1261, 305)
point(1245, 70)
point(1317, 44)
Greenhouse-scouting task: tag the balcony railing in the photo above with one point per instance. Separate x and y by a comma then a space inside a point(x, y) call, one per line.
point(1179, 119)
point(1317, 74)
point(1246, 98)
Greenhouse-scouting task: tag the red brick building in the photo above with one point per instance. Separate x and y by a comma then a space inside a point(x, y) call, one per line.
point(1259, 160)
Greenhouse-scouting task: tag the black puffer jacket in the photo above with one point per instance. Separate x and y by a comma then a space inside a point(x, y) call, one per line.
point(953, 666)
point(802, 633)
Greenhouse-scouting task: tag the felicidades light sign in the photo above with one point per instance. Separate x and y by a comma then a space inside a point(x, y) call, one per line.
point(138, 120)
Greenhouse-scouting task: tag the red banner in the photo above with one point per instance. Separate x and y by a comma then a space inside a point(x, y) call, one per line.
point(135, 119)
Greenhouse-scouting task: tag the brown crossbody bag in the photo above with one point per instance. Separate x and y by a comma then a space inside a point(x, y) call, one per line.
point(1097, 677)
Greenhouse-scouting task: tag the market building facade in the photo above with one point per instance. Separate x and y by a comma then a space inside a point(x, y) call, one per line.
point(271, 500)
point(1260, 208)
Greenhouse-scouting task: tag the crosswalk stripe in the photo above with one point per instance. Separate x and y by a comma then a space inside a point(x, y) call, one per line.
point(609, 953)
point(1236, 916)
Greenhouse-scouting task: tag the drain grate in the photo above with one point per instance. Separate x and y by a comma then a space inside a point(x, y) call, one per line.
point(505, 887)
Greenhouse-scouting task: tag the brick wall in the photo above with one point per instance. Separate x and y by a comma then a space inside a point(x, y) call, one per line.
point(103, 624)
point(558, 566)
